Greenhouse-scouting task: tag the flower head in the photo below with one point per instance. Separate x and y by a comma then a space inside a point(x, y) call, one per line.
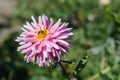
point(104, 2)
point(44, 42)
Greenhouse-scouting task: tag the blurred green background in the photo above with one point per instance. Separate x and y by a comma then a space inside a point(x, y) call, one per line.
point(96, 27)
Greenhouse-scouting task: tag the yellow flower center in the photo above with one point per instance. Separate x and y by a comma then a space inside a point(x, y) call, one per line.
point(42, 33)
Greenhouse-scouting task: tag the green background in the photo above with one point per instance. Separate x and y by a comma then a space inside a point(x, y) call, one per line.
point(96, 31)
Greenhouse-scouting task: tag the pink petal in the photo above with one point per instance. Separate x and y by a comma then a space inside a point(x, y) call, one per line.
point(44, 21)
point(56, 25)
point(34, 20)
point(24, 46)
point(62, 41)
point(63, 26)
point(51, 23)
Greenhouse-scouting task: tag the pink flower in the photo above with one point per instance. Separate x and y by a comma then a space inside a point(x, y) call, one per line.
point(44, 42)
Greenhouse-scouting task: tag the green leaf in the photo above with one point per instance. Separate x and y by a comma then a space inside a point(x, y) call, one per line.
point(54, 66)
point(81, 64)
point(116, 17)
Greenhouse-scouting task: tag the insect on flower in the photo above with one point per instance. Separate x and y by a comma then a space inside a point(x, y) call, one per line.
point(44, 42)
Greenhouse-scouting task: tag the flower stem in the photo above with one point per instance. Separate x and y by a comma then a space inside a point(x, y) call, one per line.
point(69, 62)
point(64, 71)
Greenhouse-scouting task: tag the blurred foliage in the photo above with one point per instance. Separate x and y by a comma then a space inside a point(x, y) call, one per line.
point(96, 32)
